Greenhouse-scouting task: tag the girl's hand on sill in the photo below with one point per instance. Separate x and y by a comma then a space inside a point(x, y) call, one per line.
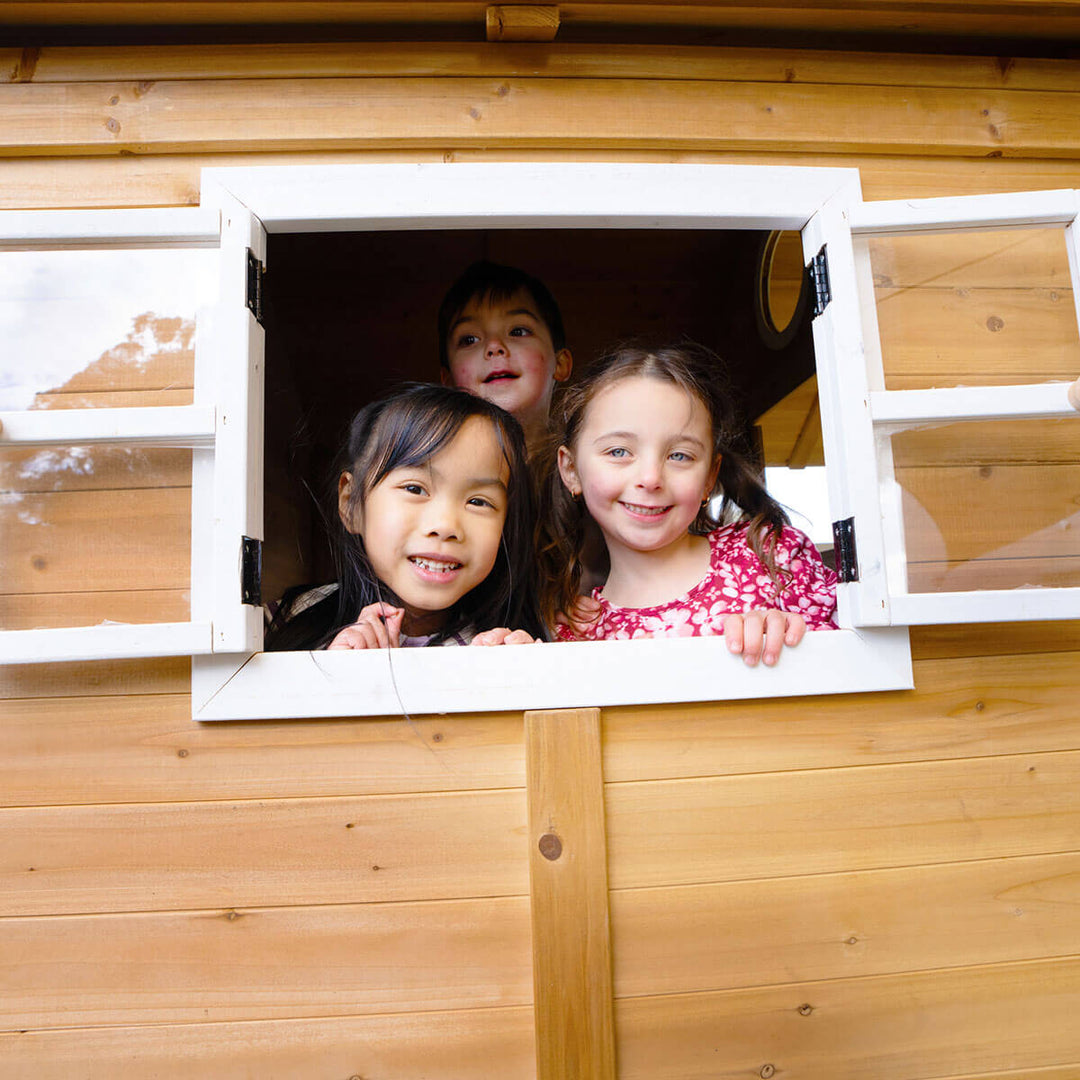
point(378, 627)
point(503, 635)
point(760, 635)
point(586, 611)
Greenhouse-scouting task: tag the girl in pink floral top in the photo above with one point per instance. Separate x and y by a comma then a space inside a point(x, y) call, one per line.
point(645, 448)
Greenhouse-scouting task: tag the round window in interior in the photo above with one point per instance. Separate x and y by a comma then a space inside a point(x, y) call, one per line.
point(783, 291)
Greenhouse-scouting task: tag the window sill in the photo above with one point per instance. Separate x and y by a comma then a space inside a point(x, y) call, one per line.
point(544, 676)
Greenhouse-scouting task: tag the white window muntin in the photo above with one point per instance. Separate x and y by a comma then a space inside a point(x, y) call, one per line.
point(880, 597)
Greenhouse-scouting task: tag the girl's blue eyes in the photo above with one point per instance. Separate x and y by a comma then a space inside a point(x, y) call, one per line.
point(621, 452)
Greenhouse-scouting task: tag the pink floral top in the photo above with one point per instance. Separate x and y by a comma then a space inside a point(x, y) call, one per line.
point(736, 582)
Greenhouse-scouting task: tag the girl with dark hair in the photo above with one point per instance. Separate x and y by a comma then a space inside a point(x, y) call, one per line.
point(432, 534)
point(646, 446)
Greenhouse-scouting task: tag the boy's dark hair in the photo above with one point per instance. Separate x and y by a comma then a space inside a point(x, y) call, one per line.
point(405, 429)
point(493, 283)
point(561, 531)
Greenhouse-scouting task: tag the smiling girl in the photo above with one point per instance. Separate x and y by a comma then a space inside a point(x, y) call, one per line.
point(645, 449)
point(432, 534)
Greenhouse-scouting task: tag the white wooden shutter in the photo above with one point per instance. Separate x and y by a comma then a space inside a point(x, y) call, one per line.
point(111, 248)
point(953, 454)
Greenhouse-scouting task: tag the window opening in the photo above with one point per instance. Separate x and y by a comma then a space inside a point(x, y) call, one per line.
point(349, 315)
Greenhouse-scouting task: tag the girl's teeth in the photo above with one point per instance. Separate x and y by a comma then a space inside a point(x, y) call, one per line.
point(437, 567)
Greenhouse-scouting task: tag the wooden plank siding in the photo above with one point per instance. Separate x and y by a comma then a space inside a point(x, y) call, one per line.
point(879, 885)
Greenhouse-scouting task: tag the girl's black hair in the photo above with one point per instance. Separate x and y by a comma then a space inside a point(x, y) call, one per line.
point(562, 528)
point(494, 283)
point(403, 430)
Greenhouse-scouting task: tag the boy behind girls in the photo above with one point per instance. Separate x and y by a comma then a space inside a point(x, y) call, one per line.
point(501, 337)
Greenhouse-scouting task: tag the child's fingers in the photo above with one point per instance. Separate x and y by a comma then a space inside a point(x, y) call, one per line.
point(796, 630)
point(378, 626)
point(503, 635)
point(775, 625)
point(733, 633)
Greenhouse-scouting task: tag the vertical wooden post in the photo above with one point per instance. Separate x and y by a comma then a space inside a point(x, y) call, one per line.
point(568, 873)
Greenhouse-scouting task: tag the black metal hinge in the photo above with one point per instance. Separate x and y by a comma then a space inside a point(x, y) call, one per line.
point(255, 270)
point(250, 571)
point(818, 273)
point(847, 563)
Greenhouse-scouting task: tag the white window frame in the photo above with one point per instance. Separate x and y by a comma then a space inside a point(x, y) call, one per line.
point(194, 426)
point(544, 195)
point(231, 679)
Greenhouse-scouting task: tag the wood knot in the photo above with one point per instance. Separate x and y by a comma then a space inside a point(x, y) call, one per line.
point(550, 846)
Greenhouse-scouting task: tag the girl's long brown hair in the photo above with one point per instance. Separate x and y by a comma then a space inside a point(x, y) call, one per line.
point(562, 527)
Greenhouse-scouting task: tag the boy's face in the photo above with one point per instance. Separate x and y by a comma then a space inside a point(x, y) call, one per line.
point(502, 351)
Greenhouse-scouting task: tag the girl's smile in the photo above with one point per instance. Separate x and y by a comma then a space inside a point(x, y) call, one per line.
point(432, 531)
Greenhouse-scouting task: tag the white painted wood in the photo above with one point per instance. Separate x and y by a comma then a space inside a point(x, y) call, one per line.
point(229, 376)
point(169, 425)
point(891, 411)
point(992, 605)
point(548, 676)
point(109, 641)
point(530, 194)
point(68, 229)
point(847, 432)
point(913, 408)
point(193, 426)
point(1023, 209)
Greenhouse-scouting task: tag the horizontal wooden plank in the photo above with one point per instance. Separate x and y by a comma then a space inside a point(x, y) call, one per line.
point(668, 832)
point(94, 540)
point(145, 747)
point(37, 610)
point(1004, 442)
point(993, 512)
point(92, 468)
point(116, 399)
point(167, 856)
point(264, 963)
point(173, 179)
point(326, 114)
point(957, 1022)
point(835, 926)
point(1030, 334)
point(994, 18)
point(994, 639)
point(1027, 258)
point(938, 576)
point(958, 709)
point(104, 63)
point(465, 1044)
point(98, 678)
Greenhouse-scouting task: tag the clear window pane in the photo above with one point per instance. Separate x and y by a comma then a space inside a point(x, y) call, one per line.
point(974, 308)
point(94, 534)
point(991, 505)
point(100, 329)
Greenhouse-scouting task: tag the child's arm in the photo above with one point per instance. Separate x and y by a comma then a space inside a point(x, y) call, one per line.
point(760, 635)
point(378, 626)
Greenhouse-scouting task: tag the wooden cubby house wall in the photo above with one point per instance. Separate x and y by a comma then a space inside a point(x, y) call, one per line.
point(853, 887)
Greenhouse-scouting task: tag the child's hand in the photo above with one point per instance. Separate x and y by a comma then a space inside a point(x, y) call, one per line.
point(377, 627)
point(760, 635)
point(586, 611)
point(503, 635)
